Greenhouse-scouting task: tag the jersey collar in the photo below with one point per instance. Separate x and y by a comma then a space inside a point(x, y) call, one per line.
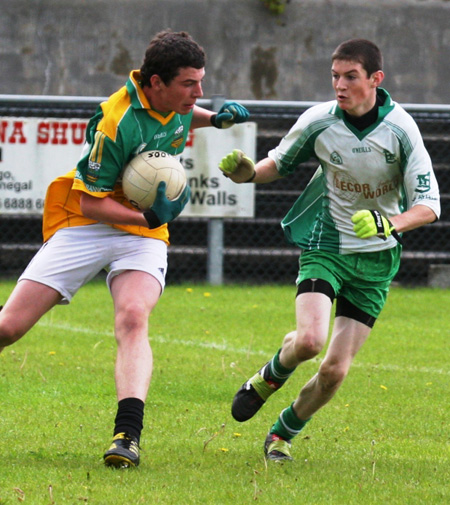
point(383, 111)
point(139, 100)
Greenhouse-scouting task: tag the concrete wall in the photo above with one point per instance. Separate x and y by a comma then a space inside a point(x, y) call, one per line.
point(87, 47)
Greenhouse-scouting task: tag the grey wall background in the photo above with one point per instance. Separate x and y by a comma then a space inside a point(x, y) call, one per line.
point(88, 47)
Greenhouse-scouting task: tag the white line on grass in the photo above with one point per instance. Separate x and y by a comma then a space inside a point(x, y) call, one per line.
point(233, 350)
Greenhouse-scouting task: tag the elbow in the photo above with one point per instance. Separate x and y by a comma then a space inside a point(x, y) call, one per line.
point(426, 215)
point(86, 206)
point(436, 216)
point(432, 216)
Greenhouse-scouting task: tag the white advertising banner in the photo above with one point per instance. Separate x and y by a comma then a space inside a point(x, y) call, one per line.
point(34, 151)
point(213, 194)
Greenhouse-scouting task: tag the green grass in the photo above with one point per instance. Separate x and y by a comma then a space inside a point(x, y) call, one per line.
point(384, 439)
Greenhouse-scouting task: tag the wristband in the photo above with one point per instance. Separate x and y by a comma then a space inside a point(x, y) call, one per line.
point(152, 219)
point(380, 228)
point(252, 177)
point(378, 220)
point(395, 234)
point(212, 120)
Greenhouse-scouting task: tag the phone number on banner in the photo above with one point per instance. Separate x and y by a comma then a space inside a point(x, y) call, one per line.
point(28, 204)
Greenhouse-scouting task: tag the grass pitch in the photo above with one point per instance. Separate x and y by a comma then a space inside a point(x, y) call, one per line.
point(384, 438)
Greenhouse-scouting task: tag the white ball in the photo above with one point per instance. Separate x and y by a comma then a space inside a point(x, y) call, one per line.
point(142, 175)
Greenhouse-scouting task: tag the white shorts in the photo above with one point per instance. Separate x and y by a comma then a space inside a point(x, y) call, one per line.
point(73, 256)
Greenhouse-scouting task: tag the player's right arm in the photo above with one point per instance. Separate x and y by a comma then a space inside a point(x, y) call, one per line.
point(266, 171)
point(240, 168)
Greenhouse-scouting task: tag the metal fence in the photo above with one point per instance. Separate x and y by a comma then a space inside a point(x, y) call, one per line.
point(246, 250)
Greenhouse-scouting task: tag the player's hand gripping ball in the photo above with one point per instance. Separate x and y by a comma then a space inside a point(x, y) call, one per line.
point(142, 176)
point(238, 167)
point(164, 210)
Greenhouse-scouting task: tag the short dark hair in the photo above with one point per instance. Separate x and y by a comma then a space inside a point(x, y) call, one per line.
point(168, 52)
point(362, 51)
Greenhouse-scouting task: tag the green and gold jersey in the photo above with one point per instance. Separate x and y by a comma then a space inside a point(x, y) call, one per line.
point(384, 167)
point(122, 127)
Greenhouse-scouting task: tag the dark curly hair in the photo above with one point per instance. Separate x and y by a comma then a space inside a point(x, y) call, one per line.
point(168, 52)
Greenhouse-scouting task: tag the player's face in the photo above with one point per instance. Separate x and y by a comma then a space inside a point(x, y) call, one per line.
point(181, 93)
point(355, 90)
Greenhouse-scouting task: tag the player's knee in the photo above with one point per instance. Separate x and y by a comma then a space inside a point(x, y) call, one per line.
point(9, 333)
point(131, 318)
point(331, 375)
point(307, 346)
point(289, 339)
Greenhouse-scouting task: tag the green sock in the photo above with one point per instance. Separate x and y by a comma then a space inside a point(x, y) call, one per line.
point(276, 372)
point(288, 425)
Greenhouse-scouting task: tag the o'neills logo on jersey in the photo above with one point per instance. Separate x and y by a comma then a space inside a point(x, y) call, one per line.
point(178, 137)
point(350, 189)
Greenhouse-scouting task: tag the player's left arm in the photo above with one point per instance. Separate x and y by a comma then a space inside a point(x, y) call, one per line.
point(107, 210)
point(420, 184)
point(371, 223)
point(229, 114)
point(417, 216)
point(422, 192)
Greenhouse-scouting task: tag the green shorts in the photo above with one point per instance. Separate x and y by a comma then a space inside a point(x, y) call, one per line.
point(362, 278)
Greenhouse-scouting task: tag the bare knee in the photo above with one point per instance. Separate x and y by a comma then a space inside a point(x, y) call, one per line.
point(307, 345)
point(131, 320)
point(300, 347)
point(331, 375)
point(9, 332)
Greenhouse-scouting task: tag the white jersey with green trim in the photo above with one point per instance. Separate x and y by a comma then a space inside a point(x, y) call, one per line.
point(384, 167)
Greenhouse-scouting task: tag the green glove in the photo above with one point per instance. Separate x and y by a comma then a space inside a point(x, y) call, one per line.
point(164, 210)
point(238, 167)
point(370, 223)
point(229, 114)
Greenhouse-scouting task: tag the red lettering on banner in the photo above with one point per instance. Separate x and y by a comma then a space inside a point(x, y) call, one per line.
point(43, 133)
point(56, 132)
point(190, 139)
point(3, 127)
point(59, 133)
point(78, 133)
point(17, 135)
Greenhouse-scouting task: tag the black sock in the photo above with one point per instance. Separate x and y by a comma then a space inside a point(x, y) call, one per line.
point(129, 418)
